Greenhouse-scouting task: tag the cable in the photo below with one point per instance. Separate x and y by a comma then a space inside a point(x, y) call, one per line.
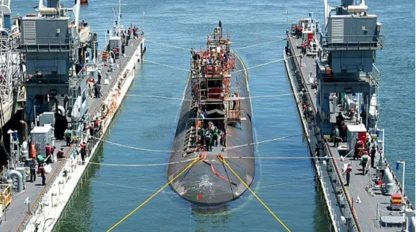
point(264, 141)
point(185, 99)
point(225, 157)
point(123, 186)
point(238, 48)
point(166, 65)
point(281, 157)
point(263, 64)
point(140, 165)
point(259, 44)
point(236, 71)
point(165, 151)
point(152, 196)
point(130, 147)
point(159, 97)
point(290, 182)
point(168, 45)
point(254, 194)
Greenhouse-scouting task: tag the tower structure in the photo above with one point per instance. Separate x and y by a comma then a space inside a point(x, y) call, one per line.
point(54, 43)
point(345, 65)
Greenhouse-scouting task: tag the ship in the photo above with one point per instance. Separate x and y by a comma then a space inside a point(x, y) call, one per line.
point(67, 93)
point(335, 84)
point(214, 123)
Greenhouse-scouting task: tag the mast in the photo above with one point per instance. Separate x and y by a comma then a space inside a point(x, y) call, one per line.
point(119, 18)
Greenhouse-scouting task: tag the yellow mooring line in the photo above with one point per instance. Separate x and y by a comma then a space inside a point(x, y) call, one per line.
point(152, 196)
point(254, 194)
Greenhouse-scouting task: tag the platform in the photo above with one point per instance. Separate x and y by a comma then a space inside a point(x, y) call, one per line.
point(372, 209)
point(16, 215)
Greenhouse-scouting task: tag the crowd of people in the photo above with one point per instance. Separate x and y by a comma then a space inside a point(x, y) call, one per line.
point(209, 136)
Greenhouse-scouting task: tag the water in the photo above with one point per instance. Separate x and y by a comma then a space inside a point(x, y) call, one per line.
point(287, 186)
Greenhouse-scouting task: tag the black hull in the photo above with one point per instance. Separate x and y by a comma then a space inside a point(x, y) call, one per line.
point(199, 184)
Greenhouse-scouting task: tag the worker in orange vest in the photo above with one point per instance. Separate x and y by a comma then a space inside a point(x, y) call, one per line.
point(33, 151)
point(60, 153)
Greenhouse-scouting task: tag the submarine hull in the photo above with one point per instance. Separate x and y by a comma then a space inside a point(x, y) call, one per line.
point(209, 182)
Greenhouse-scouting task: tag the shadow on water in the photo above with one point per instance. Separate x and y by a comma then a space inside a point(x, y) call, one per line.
point(77, 215)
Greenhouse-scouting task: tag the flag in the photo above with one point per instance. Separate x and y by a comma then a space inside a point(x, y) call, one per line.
point(198, 197)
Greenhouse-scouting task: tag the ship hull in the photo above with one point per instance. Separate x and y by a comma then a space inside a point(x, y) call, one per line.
point(209, 182)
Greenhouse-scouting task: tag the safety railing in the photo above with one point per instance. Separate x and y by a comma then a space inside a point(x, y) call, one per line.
point(46, 44)
point(352, 41)
point(42, 41)
point(375, 75)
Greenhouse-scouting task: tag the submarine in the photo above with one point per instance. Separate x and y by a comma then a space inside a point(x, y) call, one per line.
point(214, 124)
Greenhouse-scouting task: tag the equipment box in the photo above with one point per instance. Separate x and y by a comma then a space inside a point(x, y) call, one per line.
point(42, 135)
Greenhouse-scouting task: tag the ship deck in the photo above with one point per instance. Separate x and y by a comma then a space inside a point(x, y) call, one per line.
point(370, 205)
point(16, 214)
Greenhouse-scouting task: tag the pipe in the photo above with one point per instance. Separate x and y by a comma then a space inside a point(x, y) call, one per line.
point(48, 11)
point(18, 175)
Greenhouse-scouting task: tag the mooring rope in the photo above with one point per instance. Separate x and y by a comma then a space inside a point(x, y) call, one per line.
point(254, 194)
point(152, 196)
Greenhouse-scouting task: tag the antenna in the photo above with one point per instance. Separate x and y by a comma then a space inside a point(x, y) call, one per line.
point(118, 18)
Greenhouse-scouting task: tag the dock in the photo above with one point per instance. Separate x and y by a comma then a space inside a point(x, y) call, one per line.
point(39, 207)
point(362, 203)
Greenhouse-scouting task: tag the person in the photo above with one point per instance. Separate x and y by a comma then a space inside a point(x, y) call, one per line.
point(68, 135)
point(42, 173)
point(367, 144)
point(336, 137)
point(317, 151)
point(344, 129)
point(96, 123)
point(373, 156)
point(47, 150)
point(348, 171)
point(97, 90)
point(99, 78)
point(91, 130)
point(33, 167)
point(364, 161)
point(215, 136)
point(53, 150)
point(234, 95)
point(97, 126)
point(340, 120)
point(208, 139)
point(60, 153)
point(222, 138)
point(83, 152)
point(48, 159)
